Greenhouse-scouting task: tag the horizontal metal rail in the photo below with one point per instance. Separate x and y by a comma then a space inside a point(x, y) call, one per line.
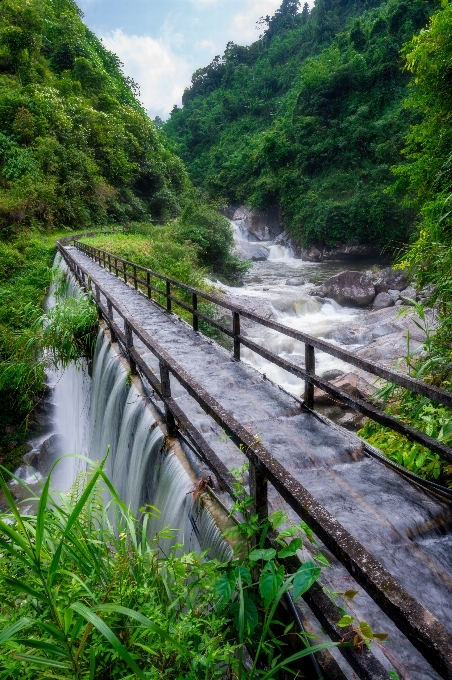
point(311, 343)
point(423, 630)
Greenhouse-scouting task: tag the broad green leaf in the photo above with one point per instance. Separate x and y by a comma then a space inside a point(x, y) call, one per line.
point(351, 594)
point(264, 554)
point(307, 574)
point(287, 533)
point(322, 559)
point(345, 621)
point(224, 588)
point(277, 518)
point(109, 635)
point(294, 545)
point(381, 636)
point(250, 614)
point(244, 574)
point(366, 630)
point(270, 582)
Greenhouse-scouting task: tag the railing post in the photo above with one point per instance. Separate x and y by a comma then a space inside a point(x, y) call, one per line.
point(258, 491)
point(116, 267)
point(166, 393)
point(135, 276)
point(148, 282)
point(125, 272)
point(195, 308)
point(168, 299)
point(310, 370)
point(110, 316)
point(96, 293)
point(129, 345)
point(236, 332)
point(109, 262)
point(105, 260)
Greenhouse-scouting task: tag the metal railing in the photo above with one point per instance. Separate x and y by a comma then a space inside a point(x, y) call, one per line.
point(423, 630)
point(128, 271)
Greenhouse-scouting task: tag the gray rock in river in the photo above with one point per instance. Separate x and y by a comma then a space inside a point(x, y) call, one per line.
point(350, 288)
point(51, 450)
point(250, 251)
point(391, 279)
point(383, 300)
point(408, 295)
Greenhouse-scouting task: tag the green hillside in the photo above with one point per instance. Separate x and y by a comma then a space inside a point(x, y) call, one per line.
point(309, 117)
point(76, 147)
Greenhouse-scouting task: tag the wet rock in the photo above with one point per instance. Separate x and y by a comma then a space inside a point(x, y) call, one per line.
point(352, 421)
point(395, 279)
point(332, 374)
point(51, 450)
point(344, 251)
point(383, 329)
point(350, 288)
point(425, 293)
point(250, 251)
point(394, 293)
point(347, 383)
point(408, 295)
point(295, 282)
point(347, 336)
point(263, 225)
point(383, 300)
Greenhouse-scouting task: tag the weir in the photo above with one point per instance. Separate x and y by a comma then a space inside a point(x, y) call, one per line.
point(373, 504)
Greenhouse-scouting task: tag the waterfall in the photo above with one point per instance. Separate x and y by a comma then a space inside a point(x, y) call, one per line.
point(109, 412)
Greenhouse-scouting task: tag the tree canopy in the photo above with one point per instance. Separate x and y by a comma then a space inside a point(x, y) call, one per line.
point(76, 146)
point(310, 117)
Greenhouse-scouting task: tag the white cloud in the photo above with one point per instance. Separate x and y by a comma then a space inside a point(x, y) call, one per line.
point(206, 44)
point(244, 22)
point(161, 74)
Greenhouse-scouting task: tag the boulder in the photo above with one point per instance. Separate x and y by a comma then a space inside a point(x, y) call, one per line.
point(51, 450)
point(395, 279)
point(408, 294)
point(383, 300)
point(347, 383)
point(383, 329)
point(347, 336)
point(332, 374)
point(295, 282)
point(262, 225)
point(350, 288)
point(250, 251)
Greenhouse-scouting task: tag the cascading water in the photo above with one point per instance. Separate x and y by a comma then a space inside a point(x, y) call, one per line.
point(107, 412)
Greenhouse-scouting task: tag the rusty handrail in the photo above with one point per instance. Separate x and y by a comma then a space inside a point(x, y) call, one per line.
point(423, 630)
point(311, 343)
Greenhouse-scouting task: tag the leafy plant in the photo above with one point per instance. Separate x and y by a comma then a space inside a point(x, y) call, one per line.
point(85, 598)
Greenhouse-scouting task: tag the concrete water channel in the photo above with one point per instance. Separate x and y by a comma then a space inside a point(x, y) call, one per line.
point(392, 536)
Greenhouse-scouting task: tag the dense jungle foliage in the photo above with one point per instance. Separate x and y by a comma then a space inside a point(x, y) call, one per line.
point(76, 147)
point(310, 117)
point(77, 151)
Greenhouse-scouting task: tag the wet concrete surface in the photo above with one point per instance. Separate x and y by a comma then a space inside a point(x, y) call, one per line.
point(377, 506)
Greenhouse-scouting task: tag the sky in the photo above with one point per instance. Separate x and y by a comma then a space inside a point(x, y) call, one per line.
point(162, 42)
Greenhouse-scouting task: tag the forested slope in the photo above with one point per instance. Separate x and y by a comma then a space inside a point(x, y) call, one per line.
point(76, 147)
point(309, 117)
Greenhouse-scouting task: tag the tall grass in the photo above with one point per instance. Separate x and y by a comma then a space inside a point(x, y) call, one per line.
point(81, 598)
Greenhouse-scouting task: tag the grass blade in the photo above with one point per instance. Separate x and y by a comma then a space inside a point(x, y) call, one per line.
point(14, 628)
point(45, 646)
point(23, 588)
point(41, 661)
point(299, 655)
point(102, 627)
point(118, 609)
